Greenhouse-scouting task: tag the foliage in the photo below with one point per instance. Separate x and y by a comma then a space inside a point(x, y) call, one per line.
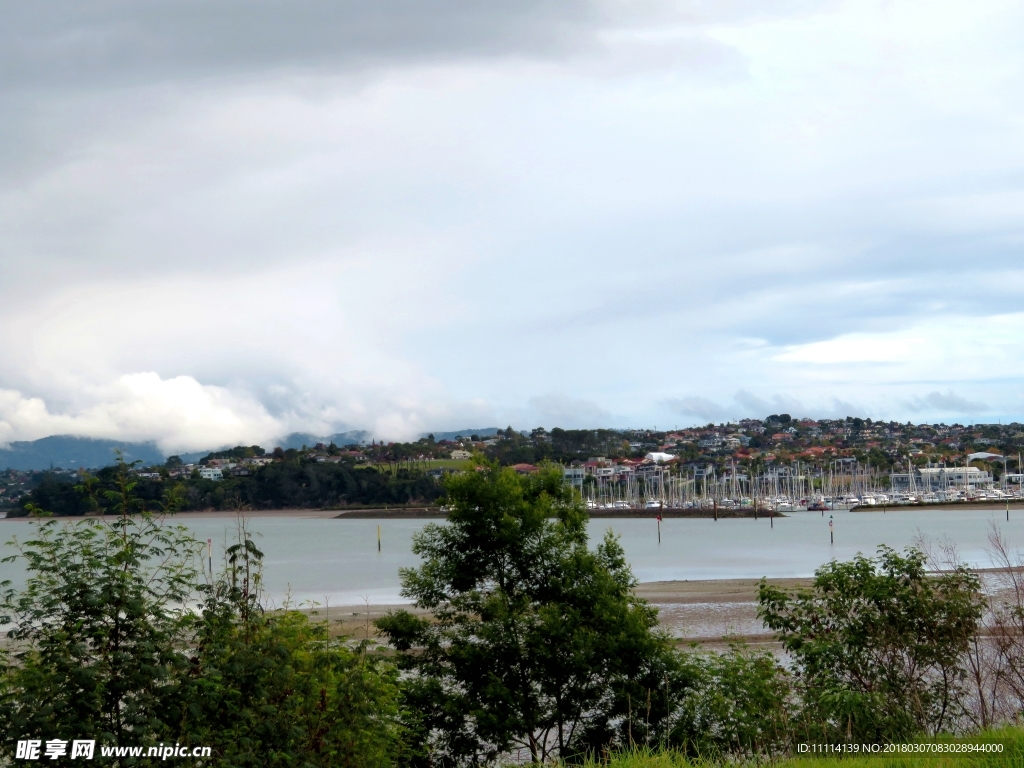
point(295, 483)
point(238, 452)
point(99, 629)
point(559, 445)
point(108, 644)
point(56, 493)
point(737, 703)
point(274, 689)
point(536, 643)
point(879, 645)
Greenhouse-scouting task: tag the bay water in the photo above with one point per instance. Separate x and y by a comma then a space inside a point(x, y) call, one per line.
point(336, 561)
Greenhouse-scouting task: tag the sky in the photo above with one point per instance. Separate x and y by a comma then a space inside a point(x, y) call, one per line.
point(225, 221)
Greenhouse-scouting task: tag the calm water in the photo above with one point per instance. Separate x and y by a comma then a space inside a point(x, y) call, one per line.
point(337, 560)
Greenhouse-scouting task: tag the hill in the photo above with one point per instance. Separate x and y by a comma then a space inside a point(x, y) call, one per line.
point(69, 452)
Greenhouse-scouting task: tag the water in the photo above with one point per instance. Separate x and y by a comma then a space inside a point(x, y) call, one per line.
point(336, 561)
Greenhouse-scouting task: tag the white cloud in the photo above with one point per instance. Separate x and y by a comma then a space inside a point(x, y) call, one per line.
point(180, 413)
point(699, 407)
point(948, 402)
point(944, 348)
point(558, 410)
point(816, 207)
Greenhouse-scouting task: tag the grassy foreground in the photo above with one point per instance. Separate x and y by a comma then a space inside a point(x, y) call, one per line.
point(1011, 739)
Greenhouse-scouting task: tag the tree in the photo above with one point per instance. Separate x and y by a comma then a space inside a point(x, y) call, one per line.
point(275, 689)
point(109, 646)
point(879, 644)
point(738, 703)
point(536, 642)
point(100, 628)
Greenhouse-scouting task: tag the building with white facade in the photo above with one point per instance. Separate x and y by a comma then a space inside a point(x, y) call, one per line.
point(933, 479)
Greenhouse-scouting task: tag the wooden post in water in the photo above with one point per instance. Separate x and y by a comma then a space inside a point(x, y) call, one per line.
point(659, 527)
point(714, 502)
point(209, 555)
point(831, 533)
point(378, 538)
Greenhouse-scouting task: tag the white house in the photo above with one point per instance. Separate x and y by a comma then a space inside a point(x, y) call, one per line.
point(657, 457)
point(211, 473)
point(574, 476)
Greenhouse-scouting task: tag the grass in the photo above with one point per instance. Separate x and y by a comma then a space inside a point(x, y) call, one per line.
point(446, 464)
point(1012, 740)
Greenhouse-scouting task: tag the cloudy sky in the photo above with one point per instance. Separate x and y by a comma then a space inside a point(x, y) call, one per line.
point(222, 221)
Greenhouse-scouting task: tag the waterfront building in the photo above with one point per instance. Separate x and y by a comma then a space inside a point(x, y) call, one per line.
point(574, 476)
point(933, 479)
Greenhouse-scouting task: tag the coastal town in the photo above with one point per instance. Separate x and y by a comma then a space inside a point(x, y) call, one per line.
point(777, 463)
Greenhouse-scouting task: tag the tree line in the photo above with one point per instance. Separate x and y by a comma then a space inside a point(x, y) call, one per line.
point(295, 483)
point(526, 643)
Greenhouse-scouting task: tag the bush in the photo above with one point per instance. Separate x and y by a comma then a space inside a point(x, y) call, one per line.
point(735, 704)
point(118, 638)
point(879, 645)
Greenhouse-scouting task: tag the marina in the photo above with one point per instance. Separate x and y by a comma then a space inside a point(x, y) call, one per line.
point(841, 485)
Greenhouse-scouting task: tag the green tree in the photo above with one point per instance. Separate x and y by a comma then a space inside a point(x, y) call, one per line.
point(879, 645)
point(99, 630)
point(109, 644)
point(734, 704)
point(274, 689)
point(536, 643)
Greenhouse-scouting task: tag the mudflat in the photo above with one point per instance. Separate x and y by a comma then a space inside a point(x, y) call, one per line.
point(711, 612)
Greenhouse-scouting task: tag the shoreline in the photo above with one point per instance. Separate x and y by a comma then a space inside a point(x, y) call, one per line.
point(434, 513)
point(980, 506)
point(423, 513)
point(622, 514)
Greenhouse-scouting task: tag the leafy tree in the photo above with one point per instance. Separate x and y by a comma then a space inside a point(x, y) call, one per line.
point(295, 483)
point(536, 642)
point(879, 644)
point(57, 494)
point(275, 689)
point(737, 703)
point(99, 629)
point(108, 644)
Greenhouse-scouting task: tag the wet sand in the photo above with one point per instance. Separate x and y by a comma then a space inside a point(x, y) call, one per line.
point(709, 613)
point(712, 612)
